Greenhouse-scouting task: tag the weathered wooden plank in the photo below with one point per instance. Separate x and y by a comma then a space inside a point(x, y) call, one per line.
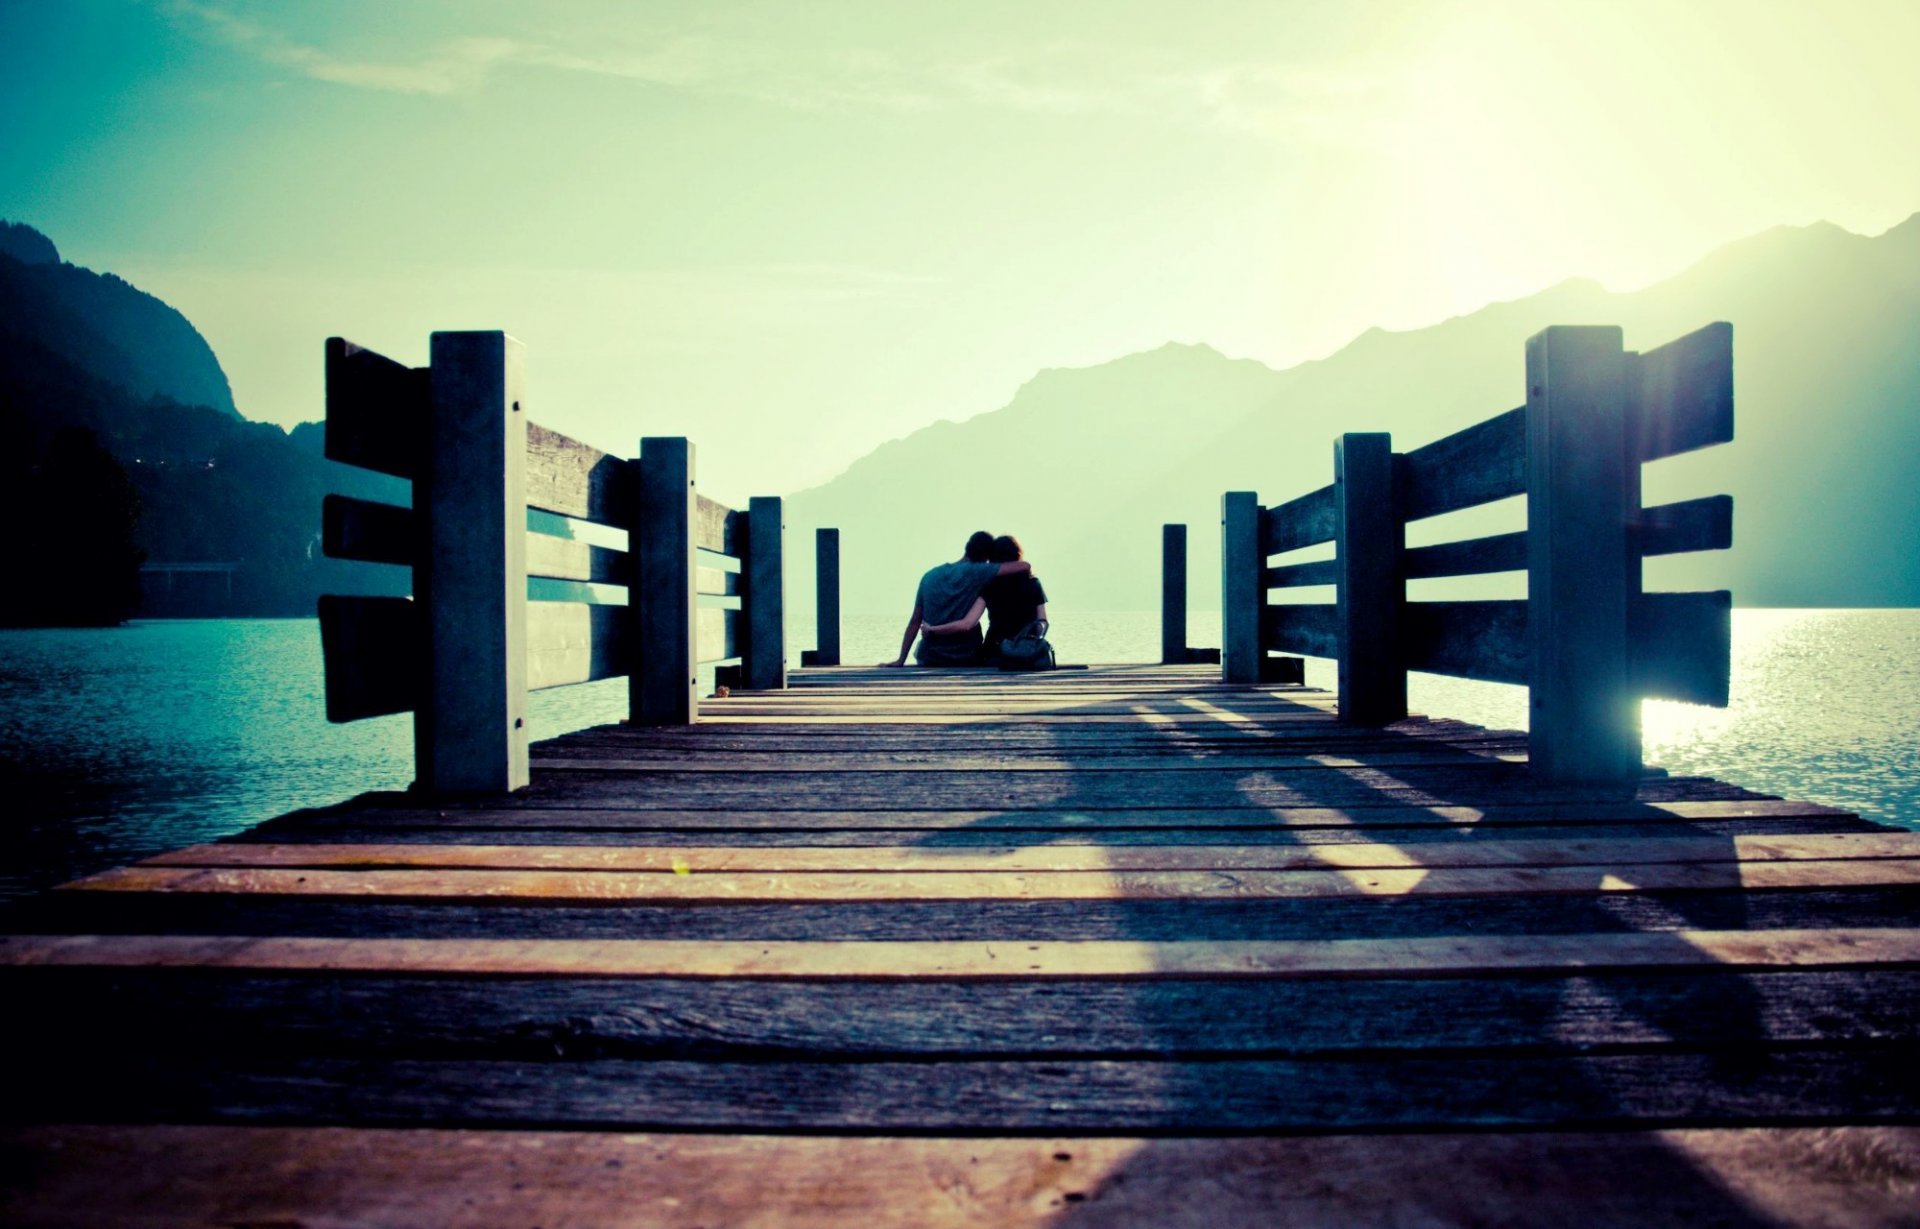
point(1173, 919)
point(367, 531)
point(939, 825)
point(718, 635)
point(1680, 396)
point(715, 527)
point(1821, 1084)
point(1505, 552)
point(1307, 520)
point(376, 1012)
point(1690, 525)
point(1569, 851)
point(1682, 646)
point(1477, 640)
point(601, 759)
point(372, 650)
point(376, 415)
point(1473, 466)
point(570, 478)
point(571, 559)
point(1452, 955)
point(572, 642)
point(1301, 575)
point(1312, 629)
point(728, 887)
point(124, 1177)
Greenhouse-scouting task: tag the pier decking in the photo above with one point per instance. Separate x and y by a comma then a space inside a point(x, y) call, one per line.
point(1121, 945)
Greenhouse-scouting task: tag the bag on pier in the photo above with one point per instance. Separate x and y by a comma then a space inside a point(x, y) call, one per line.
point(1027, 649)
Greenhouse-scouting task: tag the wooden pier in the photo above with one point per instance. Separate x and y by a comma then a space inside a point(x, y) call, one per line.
point(1176, 945)
point(1123, 945)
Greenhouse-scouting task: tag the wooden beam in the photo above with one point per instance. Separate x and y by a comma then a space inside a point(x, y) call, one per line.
point(376, 410)
point(1485, 640)
point(1680, 396)
point(1368, 536)
point(470, 729)
point(1690, 525)
point(1173, 593)
point(1241, 600)
point(369, 532)
point(764, 661)
point(1473, 466)
point(1585, 724)
point(1312, 629)
point(1305, 521)
point(826, 599)
point(665, 609)
point(573, 642)
point(1506, 552)
point(1682, 646)
point(372, 649)
point(567, 477)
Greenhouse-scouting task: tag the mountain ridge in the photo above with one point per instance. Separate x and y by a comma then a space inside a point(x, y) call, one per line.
point(1085, 464)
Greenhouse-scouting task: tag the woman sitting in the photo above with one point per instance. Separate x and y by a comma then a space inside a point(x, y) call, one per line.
point(1011, 603)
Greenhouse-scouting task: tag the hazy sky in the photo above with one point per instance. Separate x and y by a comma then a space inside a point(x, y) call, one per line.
point(795, 230)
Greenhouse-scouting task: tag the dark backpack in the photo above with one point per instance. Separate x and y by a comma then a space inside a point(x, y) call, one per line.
point(1027, 649)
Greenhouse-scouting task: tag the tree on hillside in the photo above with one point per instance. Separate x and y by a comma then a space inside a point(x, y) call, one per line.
point(74, 514)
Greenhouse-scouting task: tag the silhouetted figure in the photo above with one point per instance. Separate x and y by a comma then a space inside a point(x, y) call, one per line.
point(946, 594)
point(74, 512)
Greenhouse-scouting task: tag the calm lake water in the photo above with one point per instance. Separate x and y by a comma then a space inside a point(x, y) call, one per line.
point(119, 743)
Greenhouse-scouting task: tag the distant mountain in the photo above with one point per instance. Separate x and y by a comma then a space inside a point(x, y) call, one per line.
point(111, 401)
point(104, 326)
point(1086, 464)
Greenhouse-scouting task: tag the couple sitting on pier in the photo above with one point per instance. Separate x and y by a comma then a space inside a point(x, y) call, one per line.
point(993, 580)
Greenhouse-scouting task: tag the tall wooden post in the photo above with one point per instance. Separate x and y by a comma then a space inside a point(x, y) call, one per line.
point(1368, 535)
point(1585, 718)
point(1173, 594)
point(764, 664)
point(663, 689)
point(470, 730)
point(1242, 594)
point(826, 598)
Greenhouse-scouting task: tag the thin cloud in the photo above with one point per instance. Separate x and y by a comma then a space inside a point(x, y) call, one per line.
point(1061, 80)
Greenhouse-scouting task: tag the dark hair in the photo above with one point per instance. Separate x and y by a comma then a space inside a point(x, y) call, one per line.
point(1006, 549)
point(978, 546)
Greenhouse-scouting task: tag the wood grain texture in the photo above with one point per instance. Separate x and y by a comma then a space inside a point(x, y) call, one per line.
point(1820, 1178)
point(567, 477)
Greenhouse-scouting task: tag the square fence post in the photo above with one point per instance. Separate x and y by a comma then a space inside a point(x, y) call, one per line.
point(664, 686)
point(826, 599)
point(470, 731)
point(1173, 594)
point(764, 663)
point(1368, 535)
point(1242, 592)
point(1585, 715)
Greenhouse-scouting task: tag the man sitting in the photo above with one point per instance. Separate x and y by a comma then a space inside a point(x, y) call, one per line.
point(947, 594)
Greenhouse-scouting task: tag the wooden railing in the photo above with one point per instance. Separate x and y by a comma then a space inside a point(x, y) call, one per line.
point(1586, 641)
point(537, 561)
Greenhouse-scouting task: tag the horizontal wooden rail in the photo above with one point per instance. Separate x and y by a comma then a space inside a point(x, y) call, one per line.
point(538, 561)
point(1586, 641)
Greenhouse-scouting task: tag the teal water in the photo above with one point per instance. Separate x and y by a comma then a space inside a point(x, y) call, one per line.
point(119, 743)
